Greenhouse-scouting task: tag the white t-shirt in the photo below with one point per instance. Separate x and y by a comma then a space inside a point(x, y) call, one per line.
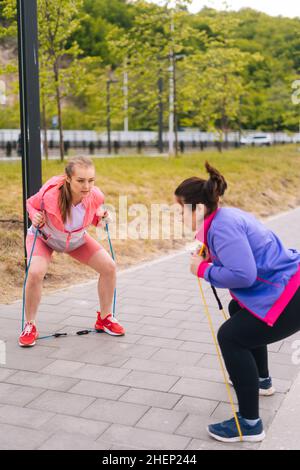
point(77, 218)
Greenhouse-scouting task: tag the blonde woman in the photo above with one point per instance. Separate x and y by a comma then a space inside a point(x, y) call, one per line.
point(61, 211)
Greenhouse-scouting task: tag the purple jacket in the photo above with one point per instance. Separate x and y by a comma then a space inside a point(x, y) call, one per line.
point(251, 261)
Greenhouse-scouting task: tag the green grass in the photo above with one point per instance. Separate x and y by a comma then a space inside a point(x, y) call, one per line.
point(261, 180)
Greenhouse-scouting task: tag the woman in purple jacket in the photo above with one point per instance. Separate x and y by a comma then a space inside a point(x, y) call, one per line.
point(263, 278)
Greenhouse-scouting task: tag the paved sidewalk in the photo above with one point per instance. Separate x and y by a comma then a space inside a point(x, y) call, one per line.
point(155, 388)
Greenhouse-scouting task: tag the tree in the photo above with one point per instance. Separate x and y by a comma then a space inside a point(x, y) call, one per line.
point(221, 86)
point(57, 22)
point(150, 49)
point(8, 30)
point(231, 69)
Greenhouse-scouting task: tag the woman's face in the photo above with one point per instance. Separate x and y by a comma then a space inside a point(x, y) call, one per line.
point(191, 219)
point(82, 181)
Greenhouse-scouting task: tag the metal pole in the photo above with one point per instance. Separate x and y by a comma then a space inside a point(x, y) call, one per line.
point(29, 103)
point(108, 115)
point(160, 115)
point(171, 92)
point(125, 91)
point(175, 106)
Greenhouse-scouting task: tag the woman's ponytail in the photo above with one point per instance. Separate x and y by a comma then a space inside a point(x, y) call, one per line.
point(195, 190)
point(216, 184)
point(65, 201)
point(65, 196)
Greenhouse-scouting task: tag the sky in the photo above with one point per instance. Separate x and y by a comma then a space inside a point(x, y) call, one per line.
point(290, 8)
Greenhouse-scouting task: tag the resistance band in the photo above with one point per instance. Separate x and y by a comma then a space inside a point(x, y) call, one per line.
point(218, 348)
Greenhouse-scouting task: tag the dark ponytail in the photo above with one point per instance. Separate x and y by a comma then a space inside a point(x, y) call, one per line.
point(196, 190)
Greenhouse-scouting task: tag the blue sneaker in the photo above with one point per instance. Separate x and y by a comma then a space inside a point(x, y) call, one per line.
point(227, 431)
point(266, 388)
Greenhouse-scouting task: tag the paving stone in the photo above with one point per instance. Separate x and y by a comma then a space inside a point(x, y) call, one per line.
point(20, 416)
point(101, 374)
point(24, 361)
point(162, 420)
point(45, 381)
point(204, 348)
point(197, 336)
point(158, 332)
point(98, 389)
point(194, 426)
point(178, 357)
point(196, 372)
point(161, 322)
point(89, 428)
point(145, 439)
point(115, 411)
point(150, 381)
point(160, 342)
point(150, 398)
point(61, 402)
point(63, 368)
point(149, 365)
point(127, 350)
point(196, 406)
point(17, 437)
point(18, 395)
point(200, 388)
point(71, 441)
point(5, 373)
point(212, 444)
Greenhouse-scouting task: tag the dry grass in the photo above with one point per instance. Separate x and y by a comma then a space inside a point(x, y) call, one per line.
point(264, 181)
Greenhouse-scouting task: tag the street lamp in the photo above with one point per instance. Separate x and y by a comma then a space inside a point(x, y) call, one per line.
point(29, 102)
point(160, 113)
point(173, 131)
point(109, 81)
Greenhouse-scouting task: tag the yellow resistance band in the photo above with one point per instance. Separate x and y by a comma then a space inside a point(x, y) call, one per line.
point(218, 352)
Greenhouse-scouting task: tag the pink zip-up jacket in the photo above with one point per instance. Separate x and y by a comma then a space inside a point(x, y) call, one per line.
point(53, 231)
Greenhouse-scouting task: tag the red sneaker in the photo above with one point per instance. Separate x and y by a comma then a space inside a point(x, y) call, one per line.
point(109, 325)
point(29, 335)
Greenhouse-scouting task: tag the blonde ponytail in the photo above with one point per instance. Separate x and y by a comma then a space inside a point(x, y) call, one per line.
point(65, 196)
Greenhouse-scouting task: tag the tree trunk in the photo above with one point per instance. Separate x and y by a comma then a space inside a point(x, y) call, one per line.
point(58, 103)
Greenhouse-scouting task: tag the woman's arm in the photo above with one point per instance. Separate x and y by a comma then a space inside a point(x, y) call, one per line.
point(99, 200)
point(33, 204)
point(232, 248)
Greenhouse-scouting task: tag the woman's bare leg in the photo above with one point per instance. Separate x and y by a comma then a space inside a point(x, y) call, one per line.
point(106, 267)
point(38, 268)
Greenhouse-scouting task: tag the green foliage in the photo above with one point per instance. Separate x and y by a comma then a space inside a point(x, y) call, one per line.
point(7, 18)
point(233, 69)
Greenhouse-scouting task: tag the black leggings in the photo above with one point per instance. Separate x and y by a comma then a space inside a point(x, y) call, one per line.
point(243, 341)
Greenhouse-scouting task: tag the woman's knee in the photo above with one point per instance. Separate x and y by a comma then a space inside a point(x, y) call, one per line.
point(37, 270)
point(36, 275)
point(233, 307)
point(108, 268)
point(224, 333)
